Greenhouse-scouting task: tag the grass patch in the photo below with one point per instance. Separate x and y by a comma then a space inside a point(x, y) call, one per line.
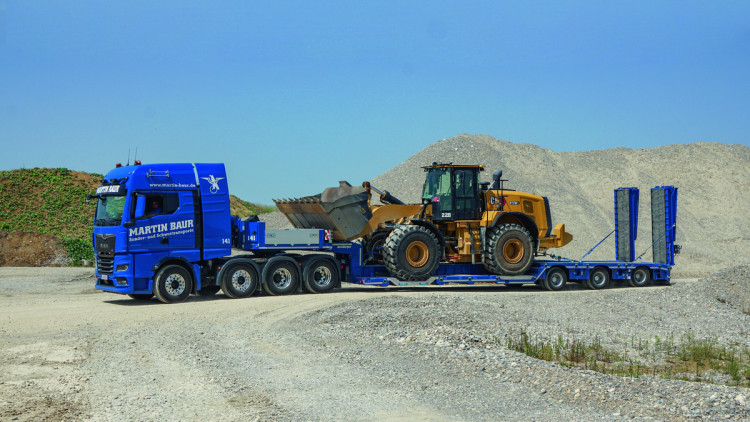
point(689, 358)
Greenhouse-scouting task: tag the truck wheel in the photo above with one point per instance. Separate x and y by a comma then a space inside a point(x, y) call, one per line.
point(239, 280)
point(172, 284)
point(411, 253)
point(509, 250)
point(556, 279)
point(598, 279)
point(280, 278)
point(321, 276)
point(141, 296)
point(640, 277)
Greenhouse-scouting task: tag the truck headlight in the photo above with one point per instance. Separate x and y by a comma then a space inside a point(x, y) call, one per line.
point(121, 281)
point(122, 267)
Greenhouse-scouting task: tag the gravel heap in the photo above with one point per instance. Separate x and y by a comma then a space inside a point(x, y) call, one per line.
point(730, 286)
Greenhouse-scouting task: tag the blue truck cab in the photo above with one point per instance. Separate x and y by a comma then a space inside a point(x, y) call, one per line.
point(152, 217)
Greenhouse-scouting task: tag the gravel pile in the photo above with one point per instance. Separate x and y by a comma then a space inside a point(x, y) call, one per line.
point(275, 220)
point(730, 286)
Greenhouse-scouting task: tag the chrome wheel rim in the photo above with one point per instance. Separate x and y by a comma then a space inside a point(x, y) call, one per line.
point(175, 284)
point(241, 280)
point(282, 278)
point(322, 276)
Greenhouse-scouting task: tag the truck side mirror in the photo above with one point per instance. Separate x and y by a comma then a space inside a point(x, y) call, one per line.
point(140, 206)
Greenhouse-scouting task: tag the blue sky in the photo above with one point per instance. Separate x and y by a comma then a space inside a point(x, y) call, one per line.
point(294, 96)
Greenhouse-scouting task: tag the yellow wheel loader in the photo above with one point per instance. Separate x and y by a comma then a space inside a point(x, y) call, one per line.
point(460, 219)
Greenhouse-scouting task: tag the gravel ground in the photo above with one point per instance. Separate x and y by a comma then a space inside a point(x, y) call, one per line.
point(357, 354)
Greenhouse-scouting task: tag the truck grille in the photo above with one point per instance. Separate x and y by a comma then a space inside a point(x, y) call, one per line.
point(105, 263)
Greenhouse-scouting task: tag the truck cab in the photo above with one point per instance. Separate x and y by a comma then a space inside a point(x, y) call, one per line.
point(149, 217)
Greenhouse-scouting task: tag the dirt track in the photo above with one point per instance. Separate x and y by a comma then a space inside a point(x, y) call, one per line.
point(73, 353)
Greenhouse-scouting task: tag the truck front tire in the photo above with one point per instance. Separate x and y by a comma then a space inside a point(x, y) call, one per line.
point(172, 283)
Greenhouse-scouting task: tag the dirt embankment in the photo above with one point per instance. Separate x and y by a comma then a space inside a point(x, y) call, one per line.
point(23, 249)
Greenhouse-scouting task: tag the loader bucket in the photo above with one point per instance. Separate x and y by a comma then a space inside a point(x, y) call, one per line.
point(344, 210)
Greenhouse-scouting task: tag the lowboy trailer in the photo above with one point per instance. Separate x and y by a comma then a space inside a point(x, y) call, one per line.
point(165, 230)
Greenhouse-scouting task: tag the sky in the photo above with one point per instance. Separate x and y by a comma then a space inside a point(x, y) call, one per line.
point(294, 96)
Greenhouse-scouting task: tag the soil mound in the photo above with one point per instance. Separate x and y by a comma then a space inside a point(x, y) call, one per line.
point(24, 249)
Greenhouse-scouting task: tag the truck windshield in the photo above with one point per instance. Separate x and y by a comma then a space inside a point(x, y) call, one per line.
point(109, 210)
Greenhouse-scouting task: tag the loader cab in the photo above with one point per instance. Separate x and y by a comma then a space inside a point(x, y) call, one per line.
point(454, 192)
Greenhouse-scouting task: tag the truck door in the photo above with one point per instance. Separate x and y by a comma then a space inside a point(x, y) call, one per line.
point(150, 223)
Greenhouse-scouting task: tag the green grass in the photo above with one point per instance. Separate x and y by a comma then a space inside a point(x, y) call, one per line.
point(690, 358)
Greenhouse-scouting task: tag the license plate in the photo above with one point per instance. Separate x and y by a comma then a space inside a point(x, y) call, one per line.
point(105, 277)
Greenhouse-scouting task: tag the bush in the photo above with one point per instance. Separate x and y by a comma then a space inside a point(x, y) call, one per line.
point(78, 249)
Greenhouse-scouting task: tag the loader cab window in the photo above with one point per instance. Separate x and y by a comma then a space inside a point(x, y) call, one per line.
point(437, 188)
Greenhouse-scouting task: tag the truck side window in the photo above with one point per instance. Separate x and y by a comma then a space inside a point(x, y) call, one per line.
point(161, 204)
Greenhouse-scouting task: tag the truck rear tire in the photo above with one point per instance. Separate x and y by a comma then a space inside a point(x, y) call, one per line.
point(321, 276)
point(556, 279)
point(239, 280)
point(640, 277)
point(411, 253)
point(172, 283)
point(509, 250)
point(598, 279)
point(280, 278)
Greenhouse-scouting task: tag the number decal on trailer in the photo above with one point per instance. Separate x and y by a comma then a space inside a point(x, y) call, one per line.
point(226, 241)
point(446, 215)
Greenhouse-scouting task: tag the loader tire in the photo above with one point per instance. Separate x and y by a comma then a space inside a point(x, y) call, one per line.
point(509, 250)
point(411, 253)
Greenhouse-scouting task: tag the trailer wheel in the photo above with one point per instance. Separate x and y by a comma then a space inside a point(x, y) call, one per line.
point(280, 278)
point(207, 291)
point(509, 250)
point(556, 279)
point(321, 276)
point(141, 296)
point(598, 279)
point(411, 253)
point(172, 283)
point(640, 277)
point(239, 280)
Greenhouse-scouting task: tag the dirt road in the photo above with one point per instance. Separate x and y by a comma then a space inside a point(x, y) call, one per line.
point(70, 352)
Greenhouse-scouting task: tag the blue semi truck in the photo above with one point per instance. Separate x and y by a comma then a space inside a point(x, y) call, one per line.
point(165, 230)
